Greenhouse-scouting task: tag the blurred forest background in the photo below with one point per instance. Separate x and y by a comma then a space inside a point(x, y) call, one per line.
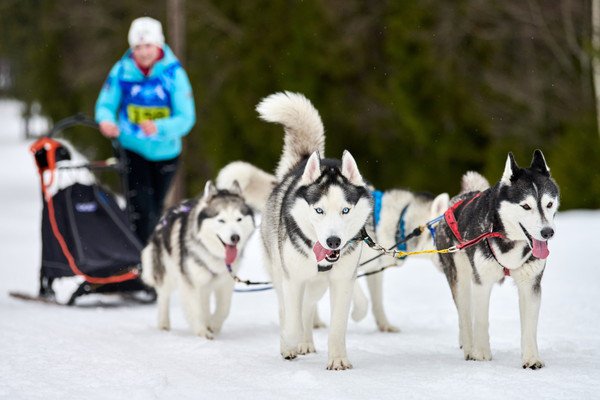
point(418, 91)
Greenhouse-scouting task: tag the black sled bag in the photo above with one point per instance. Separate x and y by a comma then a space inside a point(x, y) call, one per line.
point(95, 230)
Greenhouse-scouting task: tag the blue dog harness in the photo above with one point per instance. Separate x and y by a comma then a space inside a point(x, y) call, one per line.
point(401, 230)
point(377, 197)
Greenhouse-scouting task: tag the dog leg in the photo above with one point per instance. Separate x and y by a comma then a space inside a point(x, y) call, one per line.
point(375, 283)
point(204, 310)
point(293, 293)
point(195, 302)
point(530, 296)
point(317, 323)
point(360, 303)
point(313, 292)
point(277, 285)
point(223, 294)
point(341, 297)
point(461, 292)
point(163, 294)
point(481, 303)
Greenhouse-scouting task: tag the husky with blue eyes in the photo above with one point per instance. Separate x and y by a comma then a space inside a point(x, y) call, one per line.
point(193, 248)
point(504, 230)
point(397, 212)
point(310, 228)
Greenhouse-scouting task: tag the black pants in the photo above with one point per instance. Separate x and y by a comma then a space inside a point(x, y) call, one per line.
point(149, 182)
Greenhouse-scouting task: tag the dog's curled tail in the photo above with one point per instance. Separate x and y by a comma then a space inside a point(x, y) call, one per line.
point(473, 182)
point(304, 131)
point(255, 183)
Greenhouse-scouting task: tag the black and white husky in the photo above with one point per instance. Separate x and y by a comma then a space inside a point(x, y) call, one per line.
point(310, 228)
point(192, 248)
point(514, 219)
point(397, 212)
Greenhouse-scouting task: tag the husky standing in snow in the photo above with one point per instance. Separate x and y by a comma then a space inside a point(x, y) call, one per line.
point(515, 219)
point(396, 214)
point(310, 228)
point(192, 248)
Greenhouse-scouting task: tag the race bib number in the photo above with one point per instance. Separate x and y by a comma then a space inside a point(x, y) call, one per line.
point(137, 114)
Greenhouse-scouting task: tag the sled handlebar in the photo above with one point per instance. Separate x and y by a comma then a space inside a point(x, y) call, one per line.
point(74, 120)
point(81, 119)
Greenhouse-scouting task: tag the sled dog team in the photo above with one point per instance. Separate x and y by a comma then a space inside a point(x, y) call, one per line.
point(315, 212)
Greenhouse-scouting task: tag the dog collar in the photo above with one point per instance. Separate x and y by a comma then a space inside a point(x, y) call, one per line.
point(324, 268)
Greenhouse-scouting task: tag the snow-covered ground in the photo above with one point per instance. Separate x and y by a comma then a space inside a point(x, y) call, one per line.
point(115, 351)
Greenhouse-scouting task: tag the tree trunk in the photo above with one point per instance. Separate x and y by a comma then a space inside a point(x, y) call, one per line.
point(176, 35)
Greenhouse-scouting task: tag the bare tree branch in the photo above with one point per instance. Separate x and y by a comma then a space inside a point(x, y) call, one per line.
point(561, 56)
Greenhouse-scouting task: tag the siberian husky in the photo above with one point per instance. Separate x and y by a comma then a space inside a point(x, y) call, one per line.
point(518, 216)
point(396, 214)
point(310, 228)
point(192, 247)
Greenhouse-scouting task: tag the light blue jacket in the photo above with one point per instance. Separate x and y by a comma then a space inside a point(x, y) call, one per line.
point(166, 92)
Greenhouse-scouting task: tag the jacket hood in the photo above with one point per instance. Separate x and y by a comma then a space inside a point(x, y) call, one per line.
point(132, 72)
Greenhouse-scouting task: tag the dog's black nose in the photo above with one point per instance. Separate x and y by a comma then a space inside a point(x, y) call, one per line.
point(547, 233)
point(333, 242)
point(235, 239)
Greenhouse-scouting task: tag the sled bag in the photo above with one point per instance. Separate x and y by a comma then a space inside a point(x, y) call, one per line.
point(95, 230)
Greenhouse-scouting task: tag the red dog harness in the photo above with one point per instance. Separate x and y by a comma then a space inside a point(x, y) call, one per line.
point(462, 243)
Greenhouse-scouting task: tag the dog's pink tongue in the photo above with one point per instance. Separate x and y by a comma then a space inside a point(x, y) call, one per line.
point(320, 251)
point(540, 249)
point(230, 254)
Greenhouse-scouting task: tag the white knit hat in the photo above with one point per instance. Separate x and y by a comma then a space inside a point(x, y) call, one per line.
point(146, 30)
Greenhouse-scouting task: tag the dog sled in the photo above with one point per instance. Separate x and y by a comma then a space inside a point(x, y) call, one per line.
point(85, 232)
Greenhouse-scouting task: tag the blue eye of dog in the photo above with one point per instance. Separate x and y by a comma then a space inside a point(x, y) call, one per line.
point(526, 207)
point(319, 210)
point(550, 204)
point(345, 210)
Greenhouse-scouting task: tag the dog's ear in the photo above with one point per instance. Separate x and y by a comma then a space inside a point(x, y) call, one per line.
point(312, 171)
point(510, 169)
point(209, 191)
point(439, 205)
point(235, 188)
point(539, 163)
point(350, 169)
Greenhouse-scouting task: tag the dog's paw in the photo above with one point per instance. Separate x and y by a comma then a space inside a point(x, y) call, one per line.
point(164, 327)
point(215, 329)
point(338, 364)
point(318, 324)
point(205, 333)
point(387, 327)
point(306, 348)
point(533, 363)
point(289, 354)
point(479, 354)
